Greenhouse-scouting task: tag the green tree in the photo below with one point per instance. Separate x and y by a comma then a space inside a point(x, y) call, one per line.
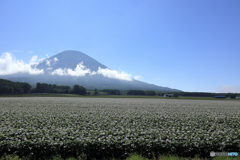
point(150, 93)
point(26, 87)
point(136, 92)
point(7, 86)
point(79, 89)
point(76, 89)
point(82, 90)
point(39, 88)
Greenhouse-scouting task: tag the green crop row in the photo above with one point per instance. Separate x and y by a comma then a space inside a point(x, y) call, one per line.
point(111, 127)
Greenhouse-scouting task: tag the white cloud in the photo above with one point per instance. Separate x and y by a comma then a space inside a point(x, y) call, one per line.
point(48, 62)
point(30, 52)
point(60, 72)
point(9, 65)
point(55, 59)
point(41, 60)
point(33, 60)
point(229, 89)
point(114, 74)
point(47, 55)
point(137, 77)
point(80, 70)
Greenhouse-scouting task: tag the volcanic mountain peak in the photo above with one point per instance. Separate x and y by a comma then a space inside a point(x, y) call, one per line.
point(69, 59)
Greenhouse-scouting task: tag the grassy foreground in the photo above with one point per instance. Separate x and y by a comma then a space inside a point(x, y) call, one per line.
point(131, 157)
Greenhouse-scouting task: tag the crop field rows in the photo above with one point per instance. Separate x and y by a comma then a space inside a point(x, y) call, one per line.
point(116, 127)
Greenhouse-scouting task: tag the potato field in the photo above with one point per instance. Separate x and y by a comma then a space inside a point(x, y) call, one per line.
point(116, 127)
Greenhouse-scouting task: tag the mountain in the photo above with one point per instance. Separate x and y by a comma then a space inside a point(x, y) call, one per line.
point(74, 67)
point(69, 59)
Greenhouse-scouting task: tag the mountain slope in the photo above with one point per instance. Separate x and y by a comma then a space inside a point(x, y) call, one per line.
point(73, 67)
point(69, 59)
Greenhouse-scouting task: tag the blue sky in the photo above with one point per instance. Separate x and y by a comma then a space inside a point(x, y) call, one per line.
point(187, 45)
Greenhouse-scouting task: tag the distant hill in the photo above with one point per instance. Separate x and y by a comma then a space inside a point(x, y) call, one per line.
point(74, 67)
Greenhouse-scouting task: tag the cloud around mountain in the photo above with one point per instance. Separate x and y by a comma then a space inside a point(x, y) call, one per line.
point(9, 65)
point(114, 74)
point(137, 77)
point(34, 60)
point(81, 70)
point(55, 59)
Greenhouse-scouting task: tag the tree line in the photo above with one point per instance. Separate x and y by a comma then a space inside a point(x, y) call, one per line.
point(9, 87)
point(111, 91)
point(141, 92)
point(53, 88)
point(128, 92)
